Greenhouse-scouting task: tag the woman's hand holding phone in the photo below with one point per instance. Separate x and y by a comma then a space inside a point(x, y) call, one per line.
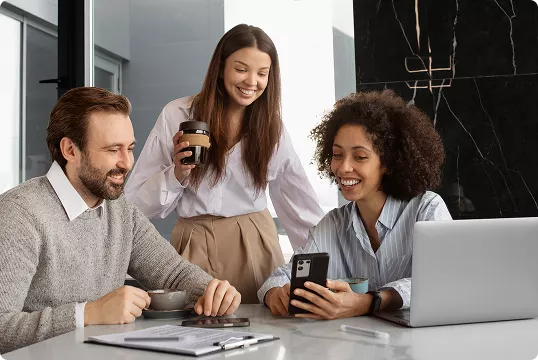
point(277, 299)
point(310, 298)
point(340, 303)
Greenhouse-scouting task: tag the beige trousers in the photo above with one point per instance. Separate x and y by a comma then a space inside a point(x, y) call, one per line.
point(242, 249)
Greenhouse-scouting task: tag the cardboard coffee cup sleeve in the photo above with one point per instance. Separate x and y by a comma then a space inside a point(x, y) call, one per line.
point(196, 140)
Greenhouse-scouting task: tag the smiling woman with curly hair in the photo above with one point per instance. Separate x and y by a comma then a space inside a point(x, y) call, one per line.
point(386, 158)
point(409, 148)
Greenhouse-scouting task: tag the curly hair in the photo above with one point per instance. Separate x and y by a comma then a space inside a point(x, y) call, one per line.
point(403, 136)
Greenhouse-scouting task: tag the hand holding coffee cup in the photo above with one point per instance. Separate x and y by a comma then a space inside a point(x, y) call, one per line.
point(191, 144)
point(121, 306)
point(167, 299)
point(181, 171)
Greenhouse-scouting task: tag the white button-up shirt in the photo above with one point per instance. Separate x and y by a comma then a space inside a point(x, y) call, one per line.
point(154, 188)
point(343, 236)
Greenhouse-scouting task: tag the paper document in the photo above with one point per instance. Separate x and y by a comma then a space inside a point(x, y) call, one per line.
point(191, 341)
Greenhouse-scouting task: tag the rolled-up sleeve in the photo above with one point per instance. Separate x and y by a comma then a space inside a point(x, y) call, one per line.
point(403, 288)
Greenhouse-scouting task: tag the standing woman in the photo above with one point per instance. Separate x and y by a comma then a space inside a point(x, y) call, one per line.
point(224, 225)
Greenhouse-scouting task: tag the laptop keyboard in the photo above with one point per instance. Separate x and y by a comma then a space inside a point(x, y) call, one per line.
point(402, 314)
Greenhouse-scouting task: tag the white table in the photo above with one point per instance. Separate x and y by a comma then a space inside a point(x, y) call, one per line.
point(305, 339)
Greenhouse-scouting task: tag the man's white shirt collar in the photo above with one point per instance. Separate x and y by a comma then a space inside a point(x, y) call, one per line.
point(71, 200)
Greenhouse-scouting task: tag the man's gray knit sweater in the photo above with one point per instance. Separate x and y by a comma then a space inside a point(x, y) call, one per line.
point(48, 263)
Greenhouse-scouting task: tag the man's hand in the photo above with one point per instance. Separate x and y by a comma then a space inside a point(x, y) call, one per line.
point(219, 298)
point(121, 306)
point(328, 305)
point(277, 299)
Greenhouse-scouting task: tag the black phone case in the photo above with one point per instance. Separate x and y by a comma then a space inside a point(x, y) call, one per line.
point(319, 264)
point(216, 325)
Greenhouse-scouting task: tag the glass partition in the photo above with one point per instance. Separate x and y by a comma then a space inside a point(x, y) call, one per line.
point(10, 91)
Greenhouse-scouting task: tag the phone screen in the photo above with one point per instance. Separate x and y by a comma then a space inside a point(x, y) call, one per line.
point(213, 322)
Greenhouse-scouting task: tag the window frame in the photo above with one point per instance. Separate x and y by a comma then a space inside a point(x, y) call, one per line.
point(111, 65)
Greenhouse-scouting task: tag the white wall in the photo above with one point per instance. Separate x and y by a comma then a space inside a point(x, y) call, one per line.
point(302, 33)
point(111, 26)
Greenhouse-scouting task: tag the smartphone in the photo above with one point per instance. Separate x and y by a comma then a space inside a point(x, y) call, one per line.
point(217, 323)
point(307, 267)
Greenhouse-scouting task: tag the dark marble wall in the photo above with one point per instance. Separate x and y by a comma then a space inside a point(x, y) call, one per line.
point(475, 66)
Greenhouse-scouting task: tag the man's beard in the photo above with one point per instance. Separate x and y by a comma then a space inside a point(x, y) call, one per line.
point(97, 183)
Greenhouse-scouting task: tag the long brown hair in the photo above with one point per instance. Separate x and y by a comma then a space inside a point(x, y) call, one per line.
point(262, 123)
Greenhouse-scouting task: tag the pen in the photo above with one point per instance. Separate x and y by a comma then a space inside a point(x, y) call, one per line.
point(237, 344)
point(233, 339)
point(358, 330)
point(153, 338)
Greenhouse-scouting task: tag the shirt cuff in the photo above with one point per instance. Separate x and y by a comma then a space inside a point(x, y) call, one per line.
point(79, 315)
point(277, 281)
point(172, 184)
point(403, 288)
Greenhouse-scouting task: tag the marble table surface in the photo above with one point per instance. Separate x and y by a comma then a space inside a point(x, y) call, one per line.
point(311, 339)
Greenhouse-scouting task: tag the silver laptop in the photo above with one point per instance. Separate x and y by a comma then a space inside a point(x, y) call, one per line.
point(467, 271)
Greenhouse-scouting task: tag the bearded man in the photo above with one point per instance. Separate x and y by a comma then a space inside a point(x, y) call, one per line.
point(68, 239)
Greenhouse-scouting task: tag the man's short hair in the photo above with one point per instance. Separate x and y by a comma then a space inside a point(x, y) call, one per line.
point(69, 118)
